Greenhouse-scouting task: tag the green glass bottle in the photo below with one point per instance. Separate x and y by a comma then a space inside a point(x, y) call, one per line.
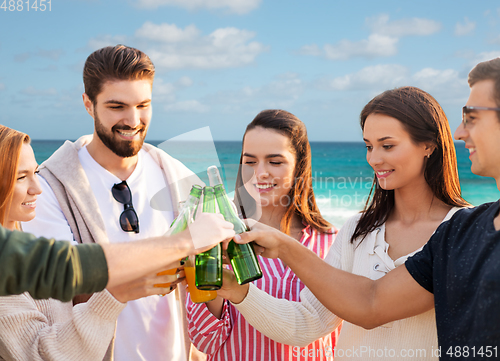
point(242, 256)
point(187, 211)
point(186, 216)
point(209, 263)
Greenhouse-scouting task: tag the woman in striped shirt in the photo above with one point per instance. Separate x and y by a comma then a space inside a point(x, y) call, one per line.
point(274, 186)
point(416, 187)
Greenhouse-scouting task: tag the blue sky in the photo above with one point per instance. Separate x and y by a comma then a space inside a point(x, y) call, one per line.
point(219, 62)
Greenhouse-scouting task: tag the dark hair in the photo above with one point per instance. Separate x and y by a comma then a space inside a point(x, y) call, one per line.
point(303, 202)
point(424, 119)
point(11, 142)
point(118, 62)
point(488, 70)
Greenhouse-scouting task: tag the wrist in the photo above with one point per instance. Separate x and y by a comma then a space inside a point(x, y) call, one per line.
point(285, 245)
point(180, 243)
point(240, 293)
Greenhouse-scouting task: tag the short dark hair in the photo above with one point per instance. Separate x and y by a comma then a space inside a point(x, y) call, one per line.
point(487, 70)
point(118, 62)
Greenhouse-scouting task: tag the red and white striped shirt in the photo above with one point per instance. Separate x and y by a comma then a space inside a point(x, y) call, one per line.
point(233, 338)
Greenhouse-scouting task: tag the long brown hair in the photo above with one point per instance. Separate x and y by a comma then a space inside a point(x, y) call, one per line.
point(11, 142)
point(424, 119)
point(301, 195)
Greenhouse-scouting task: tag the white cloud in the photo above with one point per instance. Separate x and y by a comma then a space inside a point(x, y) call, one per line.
point(487, 55)
point(184, 82)
point(233, 6)
point(438, 80)
point(193, 106)
point(447, 83)
point(382, 42)
point(312, 49)
point(167, 92)
point(495, 40)
point(167, 33)
point(32, 91)
point(223, 48)
point(2, 87)
point(464, 28)
point(171, 47)
point(404, 27)
point(375, 46)
point(106, 40)
point(281, 93)
point(448, 86)
point(371, 77)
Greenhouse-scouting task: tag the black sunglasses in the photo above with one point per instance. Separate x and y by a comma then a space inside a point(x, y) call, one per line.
point(128, 219)
point(466, 110)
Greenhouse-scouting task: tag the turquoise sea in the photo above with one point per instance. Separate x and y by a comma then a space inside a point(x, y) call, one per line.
point(342, 178)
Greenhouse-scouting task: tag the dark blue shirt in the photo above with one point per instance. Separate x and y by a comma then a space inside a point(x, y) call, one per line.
point(460, 265)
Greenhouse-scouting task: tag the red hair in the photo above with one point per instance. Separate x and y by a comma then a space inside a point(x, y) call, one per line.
point(11, 142)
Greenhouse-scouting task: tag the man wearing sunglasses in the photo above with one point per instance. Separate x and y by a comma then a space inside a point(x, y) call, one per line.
point(111, 186)
point(457, 271)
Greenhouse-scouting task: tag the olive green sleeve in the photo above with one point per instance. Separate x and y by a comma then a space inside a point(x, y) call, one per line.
point(49, 269)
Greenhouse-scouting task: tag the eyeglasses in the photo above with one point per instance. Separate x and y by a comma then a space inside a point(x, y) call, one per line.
point(128, 219)
point(466, 110)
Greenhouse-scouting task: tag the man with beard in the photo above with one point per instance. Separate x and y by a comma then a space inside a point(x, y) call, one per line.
point(113, 186)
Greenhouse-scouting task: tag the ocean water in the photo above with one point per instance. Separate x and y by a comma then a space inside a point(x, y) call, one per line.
point(341, 176)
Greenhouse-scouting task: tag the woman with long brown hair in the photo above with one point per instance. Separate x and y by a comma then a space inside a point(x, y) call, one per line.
point(274, 185)
point(415, 188)
point(49, 329)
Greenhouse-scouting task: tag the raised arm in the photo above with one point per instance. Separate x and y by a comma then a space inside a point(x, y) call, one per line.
point(129, 261)
point(49, 269)
point(354, 298)
point(46, 268)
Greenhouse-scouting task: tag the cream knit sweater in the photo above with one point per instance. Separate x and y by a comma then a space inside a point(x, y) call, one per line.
point(52, 330)
point(71, 187)
point(300, 323)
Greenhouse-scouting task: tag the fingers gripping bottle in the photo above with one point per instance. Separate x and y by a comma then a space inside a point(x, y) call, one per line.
point(187, 211)
point(242, 256)
point(186, 217)
point(209, 263)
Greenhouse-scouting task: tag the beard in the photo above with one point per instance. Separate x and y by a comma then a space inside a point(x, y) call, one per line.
point(122, 148)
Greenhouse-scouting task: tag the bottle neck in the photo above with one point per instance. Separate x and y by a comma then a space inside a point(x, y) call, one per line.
point(209, 201)
point(226, 208)
point(214, 176)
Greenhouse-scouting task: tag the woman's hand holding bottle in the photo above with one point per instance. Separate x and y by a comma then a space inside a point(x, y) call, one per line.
point(230, 289)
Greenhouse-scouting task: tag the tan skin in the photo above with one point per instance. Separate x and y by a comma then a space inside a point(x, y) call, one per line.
point(126, 105)
point(399, 164)
point(397, 295)
point(481, 133)
point(122, 103)
point(417, 213)
point(23, 208)
point(271, 157)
